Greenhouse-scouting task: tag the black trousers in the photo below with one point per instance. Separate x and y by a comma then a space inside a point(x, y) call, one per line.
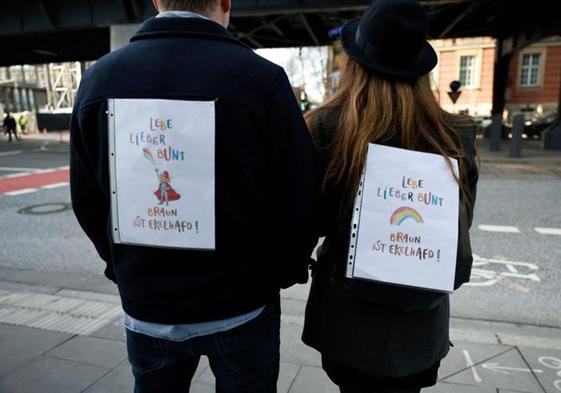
point(245, 359)
point(9, 131)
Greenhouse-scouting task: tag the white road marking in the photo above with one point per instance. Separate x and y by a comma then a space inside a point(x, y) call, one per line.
point(55, 185)
point(505, 370)
point(499, 228)
point(550, 362)
point(10, 153)
point(469, 363)
point(491, 275)
point(16, 175)
point(548, 231)
point(15, 169)
point(20, 192)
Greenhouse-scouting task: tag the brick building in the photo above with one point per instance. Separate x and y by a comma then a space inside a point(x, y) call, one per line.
point(533, 85)
point(534, 80)
point(471, 61)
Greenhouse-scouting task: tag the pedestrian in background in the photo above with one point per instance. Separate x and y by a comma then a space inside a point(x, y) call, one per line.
point(389, 338)
point(181, 304)
point(23, 123)
point(10, 126)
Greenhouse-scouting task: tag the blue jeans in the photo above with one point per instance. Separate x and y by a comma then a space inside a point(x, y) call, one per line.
point(245, 359)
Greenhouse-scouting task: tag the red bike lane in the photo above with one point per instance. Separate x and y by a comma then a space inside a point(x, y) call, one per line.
point(34, 181)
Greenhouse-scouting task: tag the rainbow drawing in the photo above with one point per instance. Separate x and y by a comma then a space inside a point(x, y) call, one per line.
point(404, 213)
point(149, 156)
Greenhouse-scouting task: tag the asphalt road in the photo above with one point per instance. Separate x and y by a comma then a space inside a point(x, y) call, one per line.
point(29, 155)
point(516, 277)
point(528, 291)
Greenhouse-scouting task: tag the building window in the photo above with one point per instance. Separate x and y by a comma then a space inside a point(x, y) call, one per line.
point(530, 75)
point(468, 69)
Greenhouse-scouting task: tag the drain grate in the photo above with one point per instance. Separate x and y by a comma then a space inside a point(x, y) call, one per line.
point(56, 313)
point(45, 208)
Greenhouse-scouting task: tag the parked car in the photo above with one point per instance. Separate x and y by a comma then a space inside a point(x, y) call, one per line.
point(534, 126)
point(505, 132)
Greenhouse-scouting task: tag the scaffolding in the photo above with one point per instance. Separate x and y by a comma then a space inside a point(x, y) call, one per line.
point(62, 82)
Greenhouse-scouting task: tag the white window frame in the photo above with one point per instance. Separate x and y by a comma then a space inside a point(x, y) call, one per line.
point(474, 71)
point(541, 68)
point(478, 54)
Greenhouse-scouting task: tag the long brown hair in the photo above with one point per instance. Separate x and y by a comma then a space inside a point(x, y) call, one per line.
point(374, 109)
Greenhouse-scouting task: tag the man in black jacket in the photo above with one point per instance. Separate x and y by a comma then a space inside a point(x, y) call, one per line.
point(10, 126)
point(222, 301)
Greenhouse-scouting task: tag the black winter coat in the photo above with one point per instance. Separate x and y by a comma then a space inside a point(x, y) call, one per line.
point(378, 328)
point(266, 174)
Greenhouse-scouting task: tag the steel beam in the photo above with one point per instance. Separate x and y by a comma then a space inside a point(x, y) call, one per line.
point(309, 29)
point(132, 10)
point(458, 19)
point(263, 11)
point(251, 40)
point(136, 9)
point(264, 25)
point(277, 29)
point(48, 13)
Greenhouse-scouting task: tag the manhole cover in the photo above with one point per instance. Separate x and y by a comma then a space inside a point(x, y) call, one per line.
point(45, 208)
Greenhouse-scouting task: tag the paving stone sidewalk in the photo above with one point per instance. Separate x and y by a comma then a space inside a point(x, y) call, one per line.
point(534, 160)
point(80, 347)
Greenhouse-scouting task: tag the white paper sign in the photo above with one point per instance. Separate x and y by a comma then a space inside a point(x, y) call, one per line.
point(405, 226)
point(162, 172)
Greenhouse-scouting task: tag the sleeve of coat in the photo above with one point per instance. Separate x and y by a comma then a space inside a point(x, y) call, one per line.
point(321, 135)
point(88, 201)
point(297, 184)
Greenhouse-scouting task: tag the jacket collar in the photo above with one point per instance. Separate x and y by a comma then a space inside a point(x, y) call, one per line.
point(186, 27)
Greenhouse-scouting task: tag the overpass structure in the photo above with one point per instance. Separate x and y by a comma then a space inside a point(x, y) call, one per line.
point(45, 31)
point(54, 31)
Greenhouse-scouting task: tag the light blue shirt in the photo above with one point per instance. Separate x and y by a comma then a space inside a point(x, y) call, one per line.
point(187, 331)
point(180, 14)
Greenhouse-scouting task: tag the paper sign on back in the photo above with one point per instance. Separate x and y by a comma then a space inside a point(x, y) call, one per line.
point(405, 224)
point(162, 172)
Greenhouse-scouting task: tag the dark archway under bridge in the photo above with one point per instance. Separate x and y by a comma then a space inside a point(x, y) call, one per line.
point(41, 31)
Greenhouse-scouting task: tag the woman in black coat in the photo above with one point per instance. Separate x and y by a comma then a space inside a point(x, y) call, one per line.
point(376, 337)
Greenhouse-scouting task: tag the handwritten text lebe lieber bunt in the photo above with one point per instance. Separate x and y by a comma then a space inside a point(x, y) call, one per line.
point(412, 190)
point(157, 139)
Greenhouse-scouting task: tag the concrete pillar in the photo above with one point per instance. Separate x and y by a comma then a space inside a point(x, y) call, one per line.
point(121, 34)
point(552, 136)
point(496, 131)
point(502, 65)
point(517, 130)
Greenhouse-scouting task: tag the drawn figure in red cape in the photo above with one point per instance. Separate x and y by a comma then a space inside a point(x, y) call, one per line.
point(165, 192)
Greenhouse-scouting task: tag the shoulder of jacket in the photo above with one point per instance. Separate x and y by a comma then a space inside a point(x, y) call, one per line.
point(324, 126)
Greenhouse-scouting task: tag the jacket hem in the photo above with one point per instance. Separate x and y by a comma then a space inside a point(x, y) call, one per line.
point(178, 312)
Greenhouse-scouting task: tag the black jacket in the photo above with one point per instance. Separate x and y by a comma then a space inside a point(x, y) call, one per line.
point(266, 174)
point(382, 329)
point(10, 123)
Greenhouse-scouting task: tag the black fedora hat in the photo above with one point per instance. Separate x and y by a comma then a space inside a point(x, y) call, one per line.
point(390, 39)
